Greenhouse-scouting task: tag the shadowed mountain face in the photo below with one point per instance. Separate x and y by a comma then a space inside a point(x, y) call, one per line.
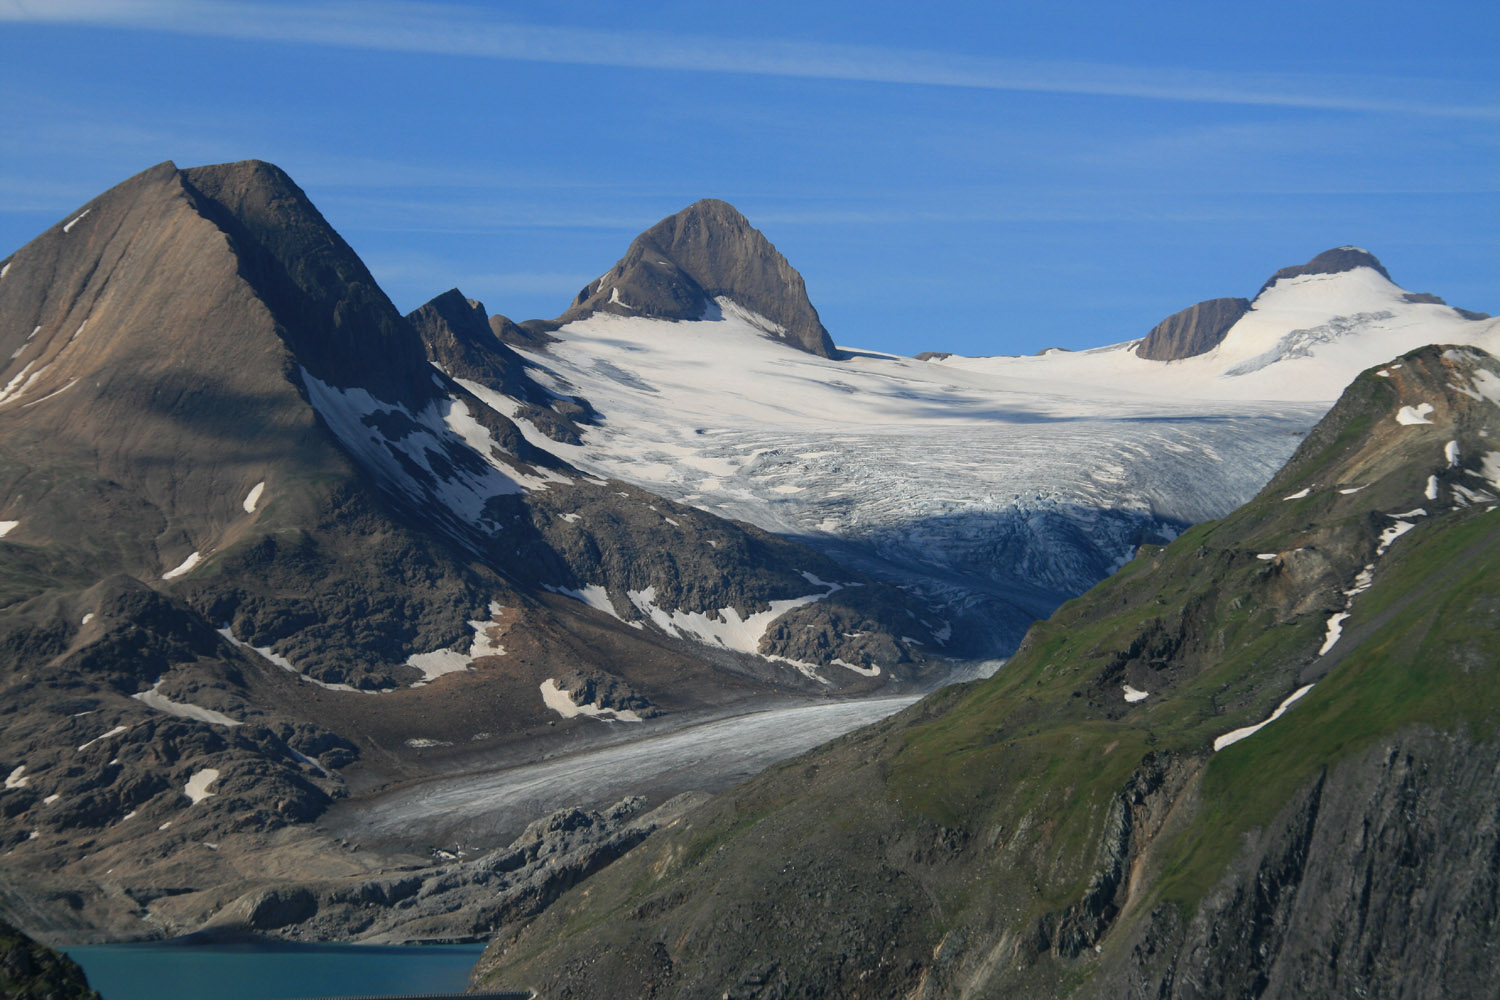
point(1259, 761)
point(257, 528)
point(681, 267)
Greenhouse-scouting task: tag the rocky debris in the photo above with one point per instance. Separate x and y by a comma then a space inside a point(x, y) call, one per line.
point(30, 971)
point(594, 687)
point(679, 267)
point(452, 899)
point(1195, 330)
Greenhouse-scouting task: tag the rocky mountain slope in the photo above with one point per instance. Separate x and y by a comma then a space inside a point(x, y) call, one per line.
point(1259, 761)
point(266, 541)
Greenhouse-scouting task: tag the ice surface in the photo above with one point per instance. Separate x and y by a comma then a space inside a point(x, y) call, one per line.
point(252, 499)
point(563, 704)
point(1236, 735)
point(197, 786)
point(185, 566)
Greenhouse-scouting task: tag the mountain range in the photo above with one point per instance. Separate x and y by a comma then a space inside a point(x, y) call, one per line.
point(266, 544)
point(1258, 761)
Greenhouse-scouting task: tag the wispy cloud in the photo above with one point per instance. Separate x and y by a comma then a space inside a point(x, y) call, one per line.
point(450, 30)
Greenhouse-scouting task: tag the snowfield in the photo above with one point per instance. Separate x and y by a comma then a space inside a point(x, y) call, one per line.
point(992, 487)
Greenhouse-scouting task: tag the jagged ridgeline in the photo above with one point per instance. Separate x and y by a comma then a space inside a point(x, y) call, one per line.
point(1259, 761)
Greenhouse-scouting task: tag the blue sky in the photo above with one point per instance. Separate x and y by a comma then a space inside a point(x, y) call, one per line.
point(976, 178)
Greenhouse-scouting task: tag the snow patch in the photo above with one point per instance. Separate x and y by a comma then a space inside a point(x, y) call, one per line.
point(1432, 487)
point(1489, 468)
point(153, 698)
point(17, 778)
point(1409, 415)
point(113, 732)
point(423, 743)
point(69, 227)
point(1450, 452)
point(570, 518)
point(873, 670)
point(1299, 494)
point(50, 395)
point(1238, 734)
point(728, 629)
point(592, 594)
point(449, 661)
point(6, 527)
point(285, 664)
point(562, 703)
point(439, 453)
point(196, 788)
point(253, 497)
point(1268, 556)
point(1335, 629)
point(1354, 489)
point(55, 796)
point(185, 566)
point(1392, 533)
point(1132, 695)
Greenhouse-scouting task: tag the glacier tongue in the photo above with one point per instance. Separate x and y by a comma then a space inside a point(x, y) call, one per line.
point(993, 497)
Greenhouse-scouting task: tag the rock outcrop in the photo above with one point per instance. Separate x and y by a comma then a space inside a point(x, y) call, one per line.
point(680, 267)
point(1196, 330)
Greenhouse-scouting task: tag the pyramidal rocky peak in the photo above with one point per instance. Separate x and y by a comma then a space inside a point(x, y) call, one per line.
point(702, 261)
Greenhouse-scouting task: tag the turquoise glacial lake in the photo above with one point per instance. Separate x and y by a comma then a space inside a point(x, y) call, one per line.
point(271, 971)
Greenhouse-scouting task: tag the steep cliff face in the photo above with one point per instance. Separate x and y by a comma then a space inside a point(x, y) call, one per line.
point(1256, 762)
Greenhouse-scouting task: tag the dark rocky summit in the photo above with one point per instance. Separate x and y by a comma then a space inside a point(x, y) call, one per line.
point(680, 266)
point(1098, 819)
point(1196, 330)
point(1334, 261)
